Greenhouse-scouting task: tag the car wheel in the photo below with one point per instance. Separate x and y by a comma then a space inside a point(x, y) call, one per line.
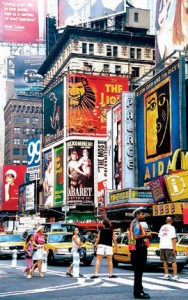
point(50, 259)
point(115, 263)
point(87, 262)
point(180, 267)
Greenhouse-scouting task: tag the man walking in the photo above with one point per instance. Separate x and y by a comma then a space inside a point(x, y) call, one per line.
point(139, 255)
point(167, 237)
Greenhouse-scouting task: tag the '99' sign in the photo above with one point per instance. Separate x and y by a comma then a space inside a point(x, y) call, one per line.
point(33, 153)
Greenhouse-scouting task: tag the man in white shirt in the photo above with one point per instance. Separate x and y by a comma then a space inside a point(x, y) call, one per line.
point(167, 237)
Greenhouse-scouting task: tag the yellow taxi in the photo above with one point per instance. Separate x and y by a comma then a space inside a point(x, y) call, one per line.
point(59, 245)
point(183, 244)
point(122, 255)
point(11, 242)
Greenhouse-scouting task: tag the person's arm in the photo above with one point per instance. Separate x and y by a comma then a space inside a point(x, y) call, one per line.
point(97, 240)
point(174, 245)
point(136, 232)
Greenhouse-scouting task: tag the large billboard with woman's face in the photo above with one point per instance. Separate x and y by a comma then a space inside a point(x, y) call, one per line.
point(80, 175)
point(158, 119)
point(88, 99)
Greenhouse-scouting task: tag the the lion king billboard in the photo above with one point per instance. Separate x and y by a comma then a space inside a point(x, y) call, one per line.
point(88, 98)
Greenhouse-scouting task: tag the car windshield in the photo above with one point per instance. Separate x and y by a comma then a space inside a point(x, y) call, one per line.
point(60, 238)
point(11, 238)
point(184, 240)
point(154, 238)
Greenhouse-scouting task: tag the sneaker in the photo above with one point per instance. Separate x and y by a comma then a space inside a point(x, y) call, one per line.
point(28, 276)
point(69, 274)
point(167, 277)
point(176, 278)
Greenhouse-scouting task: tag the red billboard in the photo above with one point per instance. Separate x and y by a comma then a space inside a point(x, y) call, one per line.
point(88, 99)
point(21, 22)
point(12, 177)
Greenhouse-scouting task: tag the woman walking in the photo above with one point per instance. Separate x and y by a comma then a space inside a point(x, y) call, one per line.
point(104, 248)
point(76, 244)
point(38, 254)
point(29, 248)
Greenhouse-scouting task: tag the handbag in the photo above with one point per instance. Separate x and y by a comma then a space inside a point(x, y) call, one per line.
point(131, 240)
point(82, 252)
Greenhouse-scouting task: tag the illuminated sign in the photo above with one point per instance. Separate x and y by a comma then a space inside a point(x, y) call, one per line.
point(169, 209)
point(177, 185)
point(126, 194)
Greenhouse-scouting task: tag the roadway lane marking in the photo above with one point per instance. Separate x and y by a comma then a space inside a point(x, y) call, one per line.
point(171, 283)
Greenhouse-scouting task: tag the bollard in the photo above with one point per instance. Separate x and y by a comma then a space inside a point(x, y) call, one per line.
point(44, 262)
point(14, 258)
point(76, 264)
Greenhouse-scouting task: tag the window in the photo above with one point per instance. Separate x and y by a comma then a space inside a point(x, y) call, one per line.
point(135, 71)
point(16, 161)
point(108, 50)
point(24, 162)
point(115, 51)
point(17, 130)
point(25, 141)
point(26, 120)
point(153, 54)
point(26, 130)
point(135, 17)
point(16, 151)
point(16, 141)
point(35, 121)
point(84, 48)
point(87, 67)
point(106, 68)
point(117, 70)
point(17, 119)
point(91, 48)
point(24, 151)
point(139, 52)
point(132, 53)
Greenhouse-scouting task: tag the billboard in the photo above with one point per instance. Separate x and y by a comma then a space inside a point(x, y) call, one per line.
point(26, 76)
point(53, 114)
point(177, 185)
point(80, 175)
point(88, 98)
point(33, 158)
point(169, 209)
point(102, 171)
point(109, 148)
point(22, 21)
point(12, 177)
point(26, 200)
point(171, 20)
point(71, 12)
point(158, 122)
point(58, 176)
point(48, 178)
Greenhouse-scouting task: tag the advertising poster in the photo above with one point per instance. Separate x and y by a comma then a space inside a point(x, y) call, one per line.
point(158, 123)
point(177, 185)
point(33, 158)
point(116, 120)
point(26, 76)
point(77, 12)
point(102, 171)
point(80, 165)
point(171, 21)
point(109, 149)
point(53, 114)
point(26, 197)
point(88, 98)
point(22, 21)
point(48, 179)
point(58, 176)
point(12, 177)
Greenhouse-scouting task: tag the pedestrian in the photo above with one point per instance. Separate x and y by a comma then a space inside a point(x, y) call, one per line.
point(29, 249)
point(38, 254)
point(167, 235)
point(76, 245)
point(139, 255)
point(103, 246)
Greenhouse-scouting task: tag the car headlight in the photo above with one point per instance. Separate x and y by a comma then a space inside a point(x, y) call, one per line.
point(4, 248)
point(151, 253)
point(180, 253)
point(61, 250)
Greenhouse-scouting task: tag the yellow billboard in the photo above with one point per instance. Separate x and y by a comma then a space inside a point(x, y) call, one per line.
point(177, 185)
point(169, 209)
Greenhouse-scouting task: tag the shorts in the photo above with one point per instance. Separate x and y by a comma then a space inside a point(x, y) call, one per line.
point(104, 250)
point(166, 255)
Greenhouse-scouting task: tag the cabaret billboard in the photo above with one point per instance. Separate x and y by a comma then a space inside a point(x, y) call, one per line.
point(71, 12)
point(88, 98)
point(160, 119)
point(53, 114)
point(22, 21)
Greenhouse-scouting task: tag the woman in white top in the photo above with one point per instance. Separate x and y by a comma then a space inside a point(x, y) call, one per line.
point(76, 244)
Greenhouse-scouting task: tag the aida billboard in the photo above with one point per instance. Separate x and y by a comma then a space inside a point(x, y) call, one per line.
point(88, 98)
point(159, 122)
point(12, 177)
point(171, 23)
point(22, 21)
point(80, 172)
point(53, 114)
point(71, 12)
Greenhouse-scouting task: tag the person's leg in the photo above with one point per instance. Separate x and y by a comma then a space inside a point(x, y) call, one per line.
point(69, 270)
point(39, 264)
point(97, 265)
point(174, 268)
point(165, 265)
point(110, 265)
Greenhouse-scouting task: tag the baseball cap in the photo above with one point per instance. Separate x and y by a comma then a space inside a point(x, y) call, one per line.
point(138, 210)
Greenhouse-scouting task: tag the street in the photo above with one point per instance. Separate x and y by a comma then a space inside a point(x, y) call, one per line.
point(55, 284)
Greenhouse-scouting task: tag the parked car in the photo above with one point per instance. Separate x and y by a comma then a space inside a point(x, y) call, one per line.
point(57, 226)
point(10, 242)
point(122, 255)
point(26, 233)
point(31, 75)
point(59, 245)
point(183, 243)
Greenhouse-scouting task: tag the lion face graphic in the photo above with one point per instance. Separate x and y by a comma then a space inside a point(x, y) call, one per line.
point(80, 93)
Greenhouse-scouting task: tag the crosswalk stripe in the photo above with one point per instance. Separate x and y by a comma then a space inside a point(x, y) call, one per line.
point(167, 282)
